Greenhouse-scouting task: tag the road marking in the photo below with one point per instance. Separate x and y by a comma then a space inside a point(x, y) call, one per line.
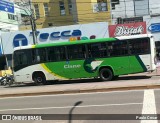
point(73, 94)
point(149, 106)
point(84, 106)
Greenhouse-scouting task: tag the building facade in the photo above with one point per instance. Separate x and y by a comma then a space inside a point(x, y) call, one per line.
point(132, 11)
point(49, 13)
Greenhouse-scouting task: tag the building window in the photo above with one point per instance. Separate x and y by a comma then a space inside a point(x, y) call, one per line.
point(12, 17)
point(113, 3)
point(139, 10)
point(100, 6)
point(50, 24)
point(25, 20)
point(62, 8)
point(36, 8)
point(129, 20)
point(70, 6)
point(46, 9)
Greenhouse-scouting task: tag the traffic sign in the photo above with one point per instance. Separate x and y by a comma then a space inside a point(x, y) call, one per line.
point(6, 6)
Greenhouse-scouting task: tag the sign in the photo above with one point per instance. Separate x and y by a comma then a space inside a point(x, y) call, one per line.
point(58, 34)
point(127, 29)
point(154, 27)
point(6, 6)
point(21, 39)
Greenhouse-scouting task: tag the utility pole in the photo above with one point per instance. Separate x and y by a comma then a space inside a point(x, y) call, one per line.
point(33, 25)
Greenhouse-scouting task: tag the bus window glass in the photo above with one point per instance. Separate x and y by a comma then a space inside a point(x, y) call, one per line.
point(139, 46)
point(41, 55)
point(117, 48)
point(34, 56)
point(97, 50)
point(21, 57)
point(56, 53)
point(76, 52)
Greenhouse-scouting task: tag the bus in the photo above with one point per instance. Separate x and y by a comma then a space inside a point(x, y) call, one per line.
point(104, 58)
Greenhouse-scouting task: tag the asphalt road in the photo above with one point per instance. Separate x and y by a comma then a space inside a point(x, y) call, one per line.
point(118, 106)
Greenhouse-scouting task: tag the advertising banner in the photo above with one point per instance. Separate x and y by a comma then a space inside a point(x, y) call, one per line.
point(127, 29)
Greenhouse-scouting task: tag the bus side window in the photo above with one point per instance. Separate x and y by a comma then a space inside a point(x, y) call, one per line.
point(41, 56)
point(34, 58)
point(50, 53)
point(76, 52)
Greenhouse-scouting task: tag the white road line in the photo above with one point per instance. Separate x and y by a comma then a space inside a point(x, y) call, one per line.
point(83, 106)
point(149, 106)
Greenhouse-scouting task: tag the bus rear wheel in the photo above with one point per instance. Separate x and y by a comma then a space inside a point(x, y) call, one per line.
point(39, 78)
point(106, 74)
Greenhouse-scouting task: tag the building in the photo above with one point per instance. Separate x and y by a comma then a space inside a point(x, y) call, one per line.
point(132, 11)
point(49, 13)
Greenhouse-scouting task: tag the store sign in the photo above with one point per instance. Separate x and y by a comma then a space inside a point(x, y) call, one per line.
point(22, 40)
point(127, 29)
point(63, 34)
point(154, 27)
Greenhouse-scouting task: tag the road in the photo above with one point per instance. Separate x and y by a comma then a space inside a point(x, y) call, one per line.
point(100, 106)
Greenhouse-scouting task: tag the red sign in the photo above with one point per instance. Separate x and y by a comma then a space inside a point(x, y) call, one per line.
point(127, 29)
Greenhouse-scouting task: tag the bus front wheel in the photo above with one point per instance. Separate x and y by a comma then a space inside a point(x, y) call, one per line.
point(106, 74)
point(39, 78)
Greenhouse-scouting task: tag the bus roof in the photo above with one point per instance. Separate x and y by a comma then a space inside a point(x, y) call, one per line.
point(75, 42)
point(92, 40)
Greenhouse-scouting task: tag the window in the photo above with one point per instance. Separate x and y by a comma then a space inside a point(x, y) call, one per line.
point(70, 6)
point(46, 10)
point(50, 24)
point(129, 20)
point(139, 46)
point(139, 10)
point(113, 3)
point(62, 8)
point(76, 52)
point(36, 8)
point(97, 50)
point(12, 17)
point(21, 58)
point(117, 48)
point(101, 5)
point(56, 53)
point(25, 20)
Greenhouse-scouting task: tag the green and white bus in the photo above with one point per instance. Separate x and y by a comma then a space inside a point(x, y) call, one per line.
point(104, 58)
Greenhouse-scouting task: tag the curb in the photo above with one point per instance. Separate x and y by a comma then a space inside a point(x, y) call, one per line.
point(83, 91)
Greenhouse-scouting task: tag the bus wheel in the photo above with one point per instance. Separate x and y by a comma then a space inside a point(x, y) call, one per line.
point(106, 74)
point(39, 78)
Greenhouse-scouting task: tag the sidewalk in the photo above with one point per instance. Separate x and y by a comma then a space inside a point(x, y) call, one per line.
point(127, 82)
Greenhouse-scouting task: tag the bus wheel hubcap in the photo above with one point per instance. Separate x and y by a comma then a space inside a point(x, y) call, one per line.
point(39, 79)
